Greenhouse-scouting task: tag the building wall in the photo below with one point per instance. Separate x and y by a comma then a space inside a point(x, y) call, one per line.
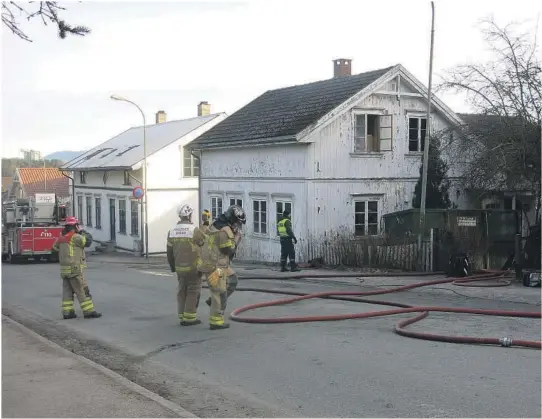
point(340, 177)
point(272, 174)
point(112, 190)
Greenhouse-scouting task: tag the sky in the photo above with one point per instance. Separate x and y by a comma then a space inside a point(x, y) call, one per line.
point(172, 55)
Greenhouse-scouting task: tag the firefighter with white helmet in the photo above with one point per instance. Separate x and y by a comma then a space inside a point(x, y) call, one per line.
point(71, 253)
point(183, 254)
point(216, 253)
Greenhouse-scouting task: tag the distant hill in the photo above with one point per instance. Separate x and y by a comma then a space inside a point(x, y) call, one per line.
point(65, 156)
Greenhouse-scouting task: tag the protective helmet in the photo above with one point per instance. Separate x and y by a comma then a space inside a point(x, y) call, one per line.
point(71, 221)
point(235, 213)
point(205, 215)
point(185, 211)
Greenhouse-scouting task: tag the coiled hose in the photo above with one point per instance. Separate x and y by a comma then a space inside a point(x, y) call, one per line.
point(400, 327)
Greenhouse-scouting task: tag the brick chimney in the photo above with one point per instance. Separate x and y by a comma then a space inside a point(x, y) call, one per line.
point(160, 117)
point(342, 67)
point(204, 109)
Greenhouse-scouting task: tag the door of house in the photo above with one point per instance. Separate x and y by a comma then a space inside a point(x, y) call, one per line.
point(112, 219)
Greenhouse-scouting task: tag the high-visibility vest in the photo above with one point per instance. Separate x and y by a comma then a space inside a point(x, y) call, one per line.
point(282, 227)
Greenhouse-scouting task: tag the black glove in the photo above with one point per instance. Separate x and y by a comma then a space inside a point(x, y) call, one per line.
point(87, 236)
point(172, 269)
point(295, 240)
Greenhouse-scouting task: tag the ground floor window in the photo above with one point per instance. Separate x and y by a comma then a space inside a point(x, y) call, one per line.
point(366, 218)
point(134, 217)
point(122, 216)
point(216, 206)
point(281, 206)
point(98, 209)
point(89, 211)
point(236, 201)
point(259, 216)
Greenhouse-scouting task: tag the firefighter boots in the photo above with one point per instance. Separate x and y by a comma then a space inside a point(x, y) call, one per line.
point(92, 315)
point(70, 315)
point(219, 326)
point(190, 323)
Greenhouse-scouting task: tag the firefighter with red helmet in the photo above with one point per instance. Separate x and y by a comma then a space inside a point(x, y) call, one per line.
point(71, 253)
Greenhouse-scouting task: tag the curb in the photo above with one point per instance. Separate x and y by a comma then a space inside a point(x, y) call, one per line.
point(176, 409)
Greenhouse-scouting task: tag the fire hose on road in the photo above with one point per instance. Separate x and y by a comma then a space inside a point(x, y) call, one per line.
point(400, 327)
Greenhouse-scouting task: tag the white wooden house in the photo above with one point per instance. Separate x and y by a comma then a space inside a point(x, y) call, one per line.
point(339, 153)
point(105, 177)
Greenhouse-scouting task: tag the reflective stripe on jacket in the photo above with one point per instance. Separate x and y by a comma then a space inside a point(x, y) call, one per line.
point(185, 240)
point(71, 253)
point(216, 251)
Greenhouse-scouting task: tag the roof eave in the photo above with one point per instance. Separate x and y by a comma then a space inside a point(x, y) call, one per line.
point(256, 142)
point(94, 169)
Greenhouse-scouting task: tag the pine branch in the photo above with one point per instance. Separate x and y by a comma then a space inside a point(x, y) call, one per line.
point(47, 11)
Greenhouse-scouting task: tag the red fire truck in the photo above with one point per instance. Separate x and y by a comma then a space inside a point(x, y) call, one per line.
point(30, 227)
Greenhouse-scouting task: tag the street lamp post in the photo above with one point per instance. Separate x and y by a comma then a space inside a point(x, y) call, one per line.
point(145, 212)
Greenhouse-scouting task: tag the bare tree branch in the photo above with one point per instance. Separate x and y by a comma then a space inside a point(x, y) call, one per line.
point(47, 11)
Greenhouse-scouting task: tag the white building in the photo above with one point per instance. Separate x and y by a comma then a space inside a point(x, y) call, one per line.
point(104, 179)
point(339, 153)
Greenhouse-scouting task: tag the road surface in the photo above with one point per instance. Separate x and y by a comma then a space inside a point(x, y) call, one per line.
point(355, 368)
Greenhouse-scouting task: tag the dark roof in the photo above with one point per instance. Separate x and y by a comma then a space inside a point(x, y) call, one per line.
point(278, 115)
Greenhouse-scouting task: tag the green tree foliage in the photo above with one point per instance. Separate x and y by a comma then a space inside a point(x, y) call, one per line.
point(47, 11)
point(438, 185)
point(9, 165)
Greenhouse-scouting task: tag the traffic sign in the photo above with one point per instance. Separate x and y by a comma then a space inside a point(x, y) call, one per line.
point(138, 192)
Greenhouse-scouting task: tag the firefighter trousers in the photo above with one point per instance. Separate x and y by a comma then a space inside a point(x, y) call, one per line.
point(188, 294)
point(72, 284)
point(231, 286)
point(219, 295)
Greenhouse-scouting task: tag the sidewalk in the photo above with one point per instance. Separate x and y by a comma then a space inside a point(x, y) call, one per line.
point(41, 379)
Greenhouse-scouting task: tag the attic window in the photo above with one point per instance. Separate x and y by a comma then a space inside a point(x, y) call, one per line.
point(127, 150)
point(107, 154)
point(94, 154)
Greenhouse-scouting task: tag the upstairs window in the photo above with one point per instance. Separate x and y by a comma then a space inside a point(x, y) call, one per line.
point(127, 179)
point(83, 177)
point(372, 133)
point(190, 164)
point(416, 133)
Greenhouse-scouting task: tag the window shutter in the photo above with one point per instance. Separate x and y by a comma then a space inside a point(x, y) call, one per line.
point(385, 132)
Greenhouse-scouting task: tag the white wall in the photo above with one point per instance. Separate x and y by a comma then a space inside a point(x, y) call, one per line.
point(163, 216)
point(274, 174)
point(113, 188)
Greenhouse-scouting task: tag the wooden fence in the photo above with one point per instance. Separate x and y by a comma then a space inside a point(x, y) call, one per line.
point(372, 255)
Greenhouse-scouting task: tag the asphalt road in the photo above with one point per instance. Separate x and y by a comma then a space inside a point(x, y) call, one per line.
point(355, 368)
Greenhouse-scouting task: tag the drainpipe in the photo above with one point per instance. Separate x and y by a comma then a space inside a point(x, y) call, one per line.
point(73, 191)
point(198, 154)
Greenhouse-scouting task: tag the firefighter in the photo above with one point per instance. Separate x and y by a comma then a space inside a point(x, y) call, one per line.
point(216, 253)
point(205, 221)
point(183, 254)
point(287, 241)
point(71, 250)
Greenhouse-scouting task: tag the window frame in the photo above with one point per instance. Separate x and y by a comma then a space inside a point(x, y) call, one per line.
point(83, 177)
point(421, 143)
point(378, 113)
point(366, 212)
point(127, 178)
point(122, 216)
point(215, 214)
point(88, 211)
point(282, 201)
point(98, 212)
point(134, 214)
point(235, 200)
point(193, 168)
point(260, 199)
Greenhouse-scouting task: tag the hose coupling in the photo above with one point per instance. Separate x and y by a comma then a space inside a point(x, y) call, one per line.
point(506, 341)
